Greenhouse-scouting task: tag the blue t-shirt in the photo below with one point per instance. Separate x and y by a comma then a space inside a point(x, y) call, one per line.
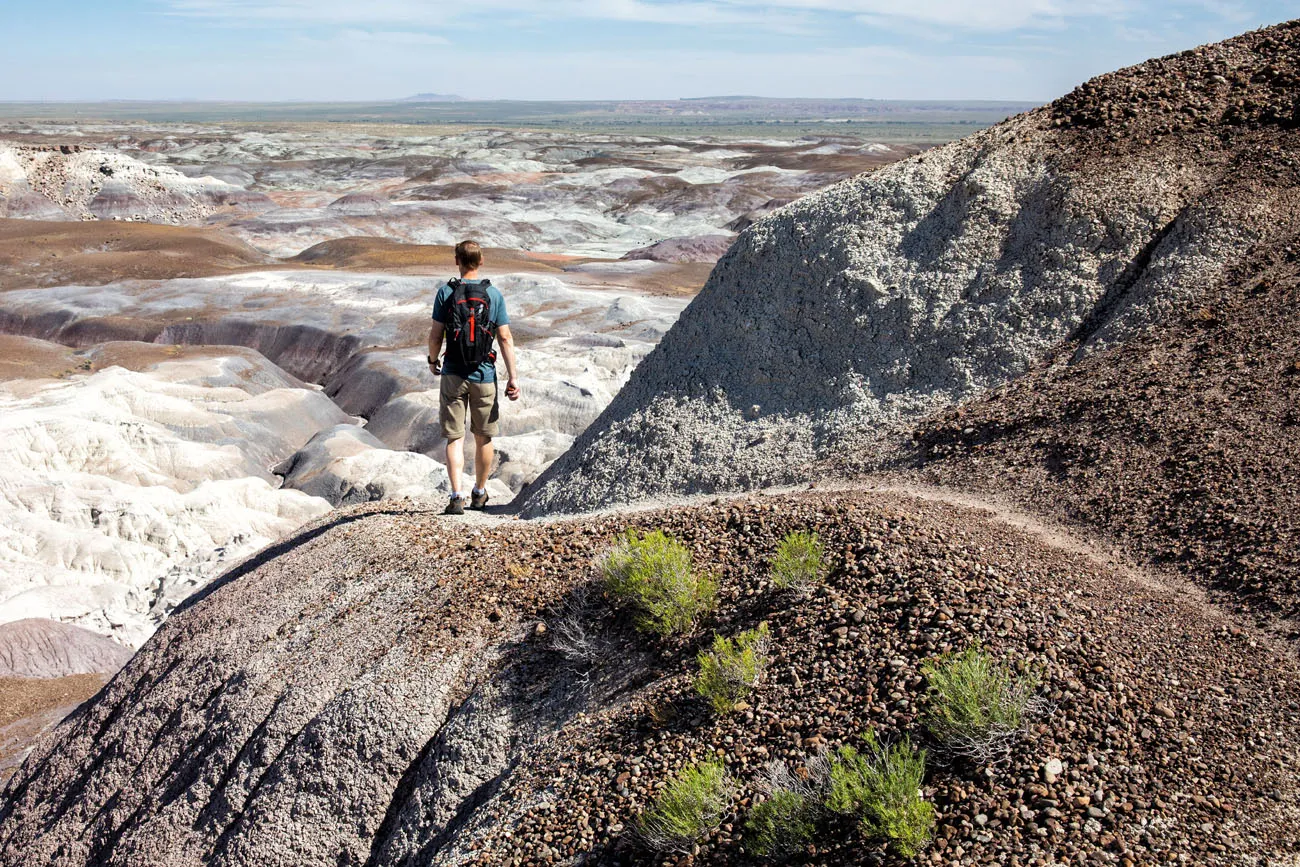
point(486, 371)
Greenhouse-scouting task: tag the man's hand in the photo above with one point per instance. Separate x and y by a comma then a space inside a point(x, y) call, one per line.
point(512, 390)
point(435, 366)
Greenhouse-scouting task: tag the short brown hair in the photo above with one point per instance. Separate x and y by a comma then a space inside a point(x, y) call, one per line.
point(469, 254)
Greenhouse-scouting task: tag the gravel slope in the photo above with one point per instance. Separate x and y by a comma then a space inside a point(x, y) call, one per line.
point(346, 685)
point(1183, 445)
point(862, 308)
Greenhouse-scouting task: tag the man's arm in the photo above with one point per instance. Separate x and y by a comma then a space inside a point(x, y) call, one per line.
point(435, 345)
point(508, 353)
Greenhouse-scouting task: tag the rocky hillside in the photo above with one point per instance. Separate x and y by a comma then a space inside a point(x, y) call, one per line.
point(864, 307)
point(70, 182)
point(35, 648)
point(343, 699)
point(1185, 444)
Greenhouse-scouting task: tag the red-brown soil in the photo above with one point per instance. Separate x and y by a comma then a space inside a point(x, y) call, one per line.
point(27, 696)
point(382, 254)
point(35, 253)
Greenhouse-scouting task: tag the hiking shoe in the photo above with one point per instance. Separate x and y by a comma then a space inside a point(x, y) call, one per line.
point(455, 506)
point(478, 499)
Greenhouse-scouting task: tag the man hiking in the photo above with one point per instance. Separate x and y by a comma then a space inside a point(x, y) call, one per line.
point(471, 313)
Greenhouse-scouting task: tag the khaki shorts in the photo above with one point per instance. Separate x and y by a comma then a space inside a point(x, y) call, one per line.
point(481, 399)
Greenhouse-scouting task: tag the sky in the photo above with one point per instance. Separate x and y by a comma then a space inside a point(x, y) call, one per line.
point(345, 50)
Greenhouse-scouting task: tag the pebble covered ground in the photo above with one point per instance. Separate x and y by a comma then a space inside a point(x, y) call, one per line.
point(1174, 727)
point(1183, 445)
point(310, 687)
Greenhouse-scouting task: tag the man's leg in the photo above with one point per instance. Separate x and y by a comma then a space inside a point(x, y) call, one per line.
point(483, 415)
point(483, 454)
point(454, 394)
point(455, 463)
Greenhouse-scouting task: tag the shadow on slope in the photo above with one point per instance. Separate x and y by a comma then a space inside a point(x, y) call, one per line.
point(1182, 444)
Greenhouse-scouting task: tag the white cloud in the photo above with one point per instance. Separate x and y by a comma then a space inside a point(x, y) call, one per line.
point(433, 13)
point(993, 15)
point(990, 15)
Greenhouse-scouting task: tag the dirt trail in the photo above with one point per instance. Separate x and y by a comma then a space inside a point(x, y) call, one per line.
point(1092, 547)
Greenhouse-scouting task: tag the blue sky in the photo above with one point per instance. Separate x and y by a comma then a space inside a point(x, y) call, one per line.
point(593, 49)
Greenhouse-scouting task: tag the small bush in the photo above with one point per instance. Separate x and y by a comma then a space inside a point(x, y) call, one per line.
point(849, 782)
point(653, 575)
point(883, 788)
point(800, 562)
point(811, 781)
point(732, 669)
point(574, 635)
point(975, 705)
point(781, 825)
point(690, 806)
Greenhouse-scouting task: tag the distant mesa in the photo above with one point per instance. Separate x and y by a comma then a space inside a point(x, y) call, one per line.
point(434, 97)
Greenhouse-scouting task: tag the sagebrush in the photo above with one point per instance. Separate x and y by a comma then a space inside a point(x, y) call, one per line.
point(882, 787)
point(781, 825)
point(573, 633)
point(800, 561)
point(690, 806)
point(653, 575)
point(976, 706)
point(732, 668)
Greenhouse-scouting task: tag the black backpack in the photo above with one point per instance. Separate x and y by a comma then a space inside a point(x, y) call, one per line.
point(470, 332)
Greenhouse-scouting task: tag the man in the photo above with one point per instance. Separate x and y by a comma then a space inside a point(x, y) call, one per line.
point(468, 387)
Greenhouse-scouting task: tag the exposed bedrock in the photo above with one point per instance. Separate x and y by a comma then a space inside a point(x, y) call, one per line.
point(698, 248)
point(307, 322)
point(347, 465)
point(308, 352)
point(124, 490)
point(107, 185)
point(887, 296)
point(37, 647)
point(371, 379)
point(313, 323)
point(27, 205)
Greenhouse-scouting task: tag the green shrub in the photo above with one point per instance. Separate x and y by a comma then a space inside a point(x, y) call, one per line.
point(975, 706)
point(690, 806)
point(732, 669)
point(653, 576)
point(883, 788)
point(850, 776)
point(781, 825)
point(800, 561)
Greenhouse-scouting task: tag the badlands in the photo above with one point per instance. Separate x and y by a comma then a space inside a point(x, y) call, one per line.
point(211, 334)
point(140, 459)
point(1035, 391)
